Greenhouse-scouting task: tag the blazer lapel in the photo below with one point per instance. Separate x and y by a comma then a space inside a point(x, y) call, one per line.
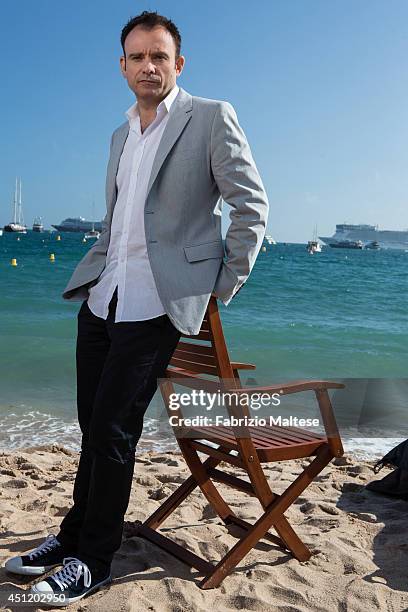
point(180, 115)
point(117, 148)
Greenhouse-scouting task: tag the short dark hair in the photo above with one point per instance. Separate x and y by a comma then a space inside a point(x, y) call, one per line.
point(150, 20)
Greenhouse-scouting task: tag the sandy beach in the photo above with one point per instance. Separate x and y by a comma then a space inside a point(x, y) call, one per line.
point(359, 539)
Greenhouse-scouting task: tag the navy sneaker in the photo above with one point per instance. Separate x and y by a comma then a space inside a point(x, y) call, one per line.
point(70, 584)
point(46, 556)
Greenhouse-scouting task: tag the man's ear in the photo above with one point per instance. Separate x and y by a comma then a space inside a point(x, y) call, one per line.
point(123, 65)
point(180, 61)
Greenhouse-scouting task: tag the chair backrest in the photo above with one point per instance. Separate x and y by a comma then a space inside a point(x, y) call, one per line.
point(209, 355)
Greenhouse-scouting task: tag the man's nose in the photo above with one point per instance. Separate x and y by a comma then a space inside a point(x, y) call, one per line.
point(150, 68)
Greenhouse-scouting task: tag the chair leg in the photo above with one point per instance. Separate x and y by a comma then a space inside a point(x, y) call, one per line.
point(292, 541)
point(273, 515)
point(204, 482)
point(177, 497)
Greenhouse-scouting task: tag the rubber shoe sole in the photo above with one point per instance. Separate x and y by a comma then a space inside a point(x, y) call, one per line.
point(48, 600)
point(15, 566)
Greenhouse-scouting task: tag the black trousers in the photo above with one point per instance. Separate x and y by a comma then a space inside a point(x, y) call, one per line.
point(118, 365)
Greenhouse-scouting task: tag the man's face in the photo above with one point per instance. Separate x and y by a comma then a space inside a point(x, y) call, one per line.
point(151, 67)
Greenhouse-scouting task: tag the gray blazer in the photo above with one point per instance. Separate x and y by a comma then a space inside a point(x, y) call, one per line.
point(203, 158)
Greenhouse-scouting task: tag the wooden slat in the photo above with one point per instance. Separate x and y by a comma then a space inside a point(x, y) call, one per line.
point(277, 433)
point(191, 379)
point(200, 368)
point(193, 357)
point(294, 387)
point(216, 433)
point(277, 437)
point(265, 454)
point(283, 453)
point(261, 442)
point(203, 335)
point(237, 365)
point(228, 432)
point(193, 347)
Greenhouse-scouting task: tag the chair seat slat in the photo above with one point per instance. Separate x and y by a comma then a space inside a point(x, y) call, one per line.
point(260, 441)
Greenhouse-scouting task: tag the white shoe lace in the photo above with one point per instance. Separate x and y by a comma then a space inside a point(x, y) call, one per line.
point(73, 570)
point(50, 543)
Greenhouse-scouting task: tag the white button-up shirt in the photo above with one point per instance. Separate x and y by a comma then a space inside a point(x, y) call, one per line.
point(127, 263)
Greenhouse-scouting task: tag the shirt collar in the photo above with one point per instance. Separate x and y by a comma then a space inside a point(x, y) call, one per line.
point(133, 112)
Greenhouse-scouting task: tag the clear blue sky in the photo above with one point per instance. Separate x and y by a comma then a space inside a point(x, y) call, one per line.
point(320, 87)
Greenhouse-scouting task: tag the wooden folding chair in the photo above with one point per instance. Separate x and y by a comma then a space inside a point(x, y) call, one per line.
point(205, 365)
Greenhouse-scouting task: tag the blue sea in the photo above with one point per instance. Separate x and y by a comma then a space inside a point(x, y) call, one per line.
point(340, 314)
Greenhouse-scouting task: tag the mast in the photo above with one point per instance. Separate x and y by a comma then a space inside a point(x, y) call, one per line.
point(20, 210)
point(15, 204)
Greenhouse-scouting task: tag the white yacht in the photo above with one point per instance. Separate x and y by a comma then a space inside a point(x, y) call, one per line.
point(17, 224)
point(93, 233)
point(38, 225)
point(314, 246)
point(269, 239)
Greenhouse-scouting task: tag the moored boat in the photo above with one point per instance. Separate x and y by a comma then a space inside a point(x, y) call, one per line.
point(37, 225)
point(78, 224)
point(374, 245)
point(348, 244)
point(17, 224)
point(387, 239)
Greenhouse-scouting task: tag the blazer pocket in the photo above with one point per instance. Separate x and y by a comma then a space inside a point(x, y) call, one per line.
point(185, 155)
point(207, 250)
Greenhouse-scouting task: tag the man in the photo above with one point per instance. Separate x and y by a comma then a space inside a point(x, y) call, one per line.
point(146, 281)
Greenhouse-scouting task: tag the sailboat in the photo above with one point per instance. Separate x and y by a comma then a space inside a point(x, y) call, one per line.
point(93, 233)
point(17, 225)
point(314, 246)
